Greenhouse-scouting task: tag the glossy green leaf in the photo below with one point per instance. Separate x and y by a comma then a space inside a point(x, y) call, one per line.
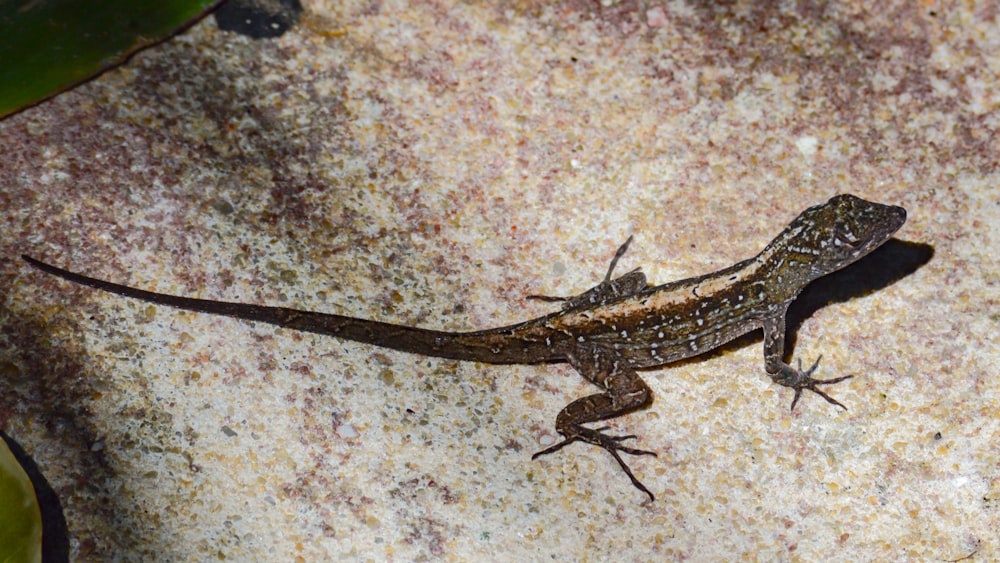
point(47, 46)
point(20, 518)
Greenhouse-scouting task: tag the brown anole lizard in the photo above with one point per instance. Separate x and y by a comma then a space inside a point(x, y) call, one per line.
point(622, 324)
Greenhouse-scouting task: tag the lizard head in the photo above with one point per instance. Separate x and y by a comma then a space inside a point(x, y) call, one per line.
point(827, 237)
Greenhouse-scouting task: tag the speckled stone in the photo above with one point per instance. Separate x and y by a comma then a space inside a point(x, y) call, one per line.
point(433, 164)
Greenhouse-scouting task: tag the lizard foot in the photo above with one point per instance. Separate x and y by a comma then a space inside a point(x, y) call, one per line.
point(598, 438)
point(609, 289)
point(802, 380)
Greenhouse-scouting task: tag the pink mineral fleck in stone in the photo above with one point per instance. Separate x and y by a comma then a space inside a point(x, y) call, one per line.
point(655, 17)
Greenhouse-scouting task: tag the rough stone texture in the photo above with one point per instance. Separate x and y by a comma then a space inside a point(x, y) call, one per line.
point(432, 164)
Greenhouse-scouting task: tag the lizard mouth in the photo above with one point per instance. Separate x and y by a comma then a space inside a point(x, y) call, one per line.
point(893, 217)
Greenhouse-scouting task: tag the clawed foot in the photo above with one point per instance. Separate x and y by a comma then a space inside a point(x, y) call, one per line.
point(598, 438)
point(609, 289)
point(802, 380)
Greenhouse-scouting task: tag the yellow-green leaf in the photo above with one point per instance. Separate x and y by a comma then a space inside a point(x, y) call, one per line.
point(20, 518)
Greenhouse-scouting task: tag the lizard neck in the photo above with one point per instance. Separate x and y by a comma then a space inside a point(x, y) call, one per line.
point(786, 266)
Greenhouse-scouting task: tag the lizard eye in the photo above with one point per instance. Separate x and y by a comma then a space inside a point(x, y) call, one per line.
point(848, 240)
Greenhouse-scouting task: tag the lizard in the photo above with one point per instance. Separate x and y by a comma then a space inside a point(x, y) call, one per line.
point(622, 324)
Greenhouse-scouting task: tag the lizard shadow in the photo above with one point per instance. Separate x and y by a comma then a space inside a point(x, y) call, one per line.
point(893, 261)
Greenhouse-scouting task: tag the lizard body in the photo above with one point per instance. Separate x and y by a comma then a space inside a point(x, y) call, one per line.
point(622, 324)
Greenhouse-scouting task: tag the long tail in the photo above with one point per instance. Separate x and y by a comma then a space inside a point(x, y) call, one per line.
point(497, 346)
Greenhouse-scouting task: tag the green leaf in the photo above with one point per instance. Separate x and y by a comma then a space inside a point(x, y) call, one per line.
point(20, 518)
point(47, 46)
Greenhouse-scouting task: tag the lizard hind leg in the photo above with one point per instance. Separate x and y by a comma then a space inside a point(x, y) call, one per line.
point(608, 289)
point(602, 440)
point(625, 392)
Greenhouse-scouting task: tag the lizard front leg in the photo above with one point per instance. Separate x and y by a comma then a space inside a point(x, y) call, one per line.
point(624, 392)
point(784, 374)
